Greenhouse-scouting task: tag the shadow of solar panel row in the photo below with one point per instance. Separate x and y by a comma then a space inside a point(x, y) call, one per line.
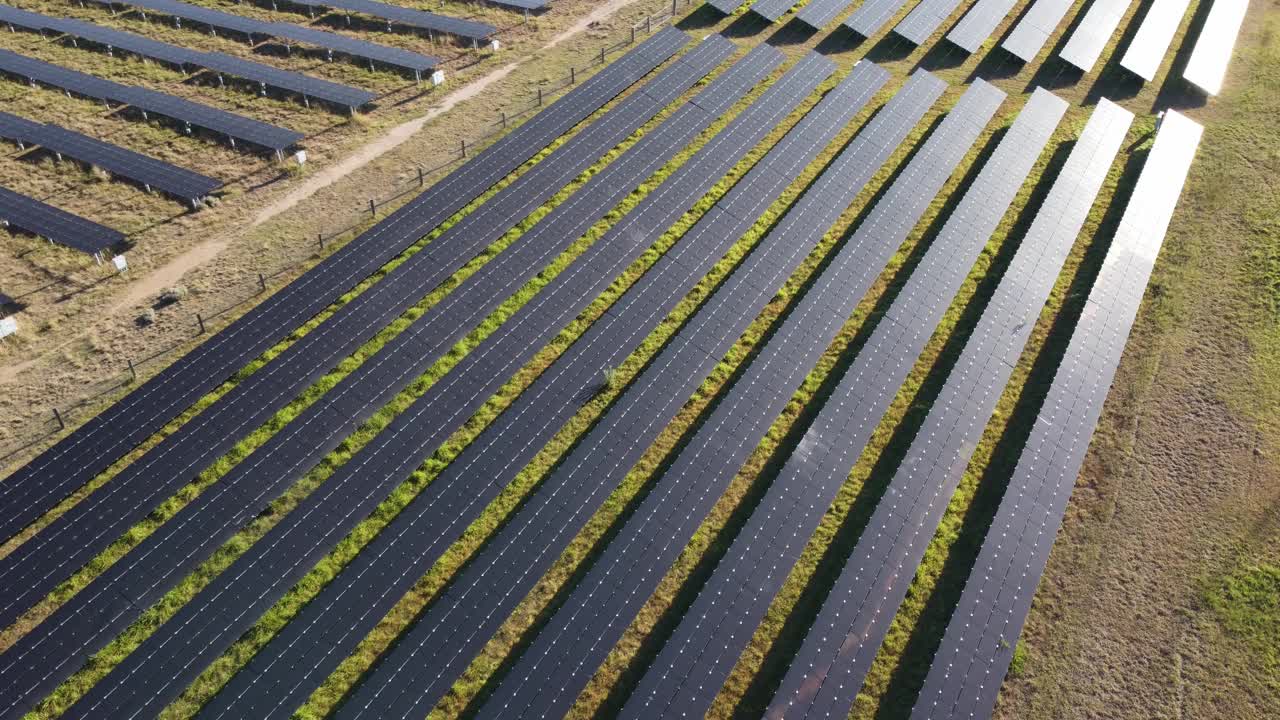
point(466, 29)
point(498, 578)
point(314, 644)
point(828, 670)
point(77, 458)
point(695, 661)
point(172, 656)
point(977, 25)
point(236, 127)
point(1212, 53)
point(288, 31)
point(548, 677)
point(1034, 29)
point(1094, 31)
point(152, 173)
point(1147, 49)
point(919, 24)
point(771, 10)
point(214, 516)
point(819, 13)
point(979, 642)
point(51, 223)
point(872, 15)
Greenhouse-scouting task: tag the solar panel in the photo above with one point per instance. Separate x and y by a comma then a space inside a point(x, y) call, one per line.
point(522, 4)
point(576, 639)
point(204, 523)
point(1208, 64)
point(89, 449)
point(1146, 51)
point(924, 18)
point(332, 42)
point(151, 172)
point(115, 39)
point(726, 6)
point(687, 674)
point(499, 577)
point(56, 225)
point(771, 10)
point(1091, 35)
point(465, 29)
point(872, 15)
point(968, 669)
point(535, 415)
point(336, 93)
point(234, 126)
point(978, 24)
point(819, 13)
point(855, 618)
point(1035, 27)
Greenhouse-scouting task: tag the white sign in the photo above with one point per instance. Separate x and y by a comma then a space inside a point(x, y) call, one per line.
point(437, 77)
point(121, 263)
point(495, 45)
point(301, 157)
point(8, 326)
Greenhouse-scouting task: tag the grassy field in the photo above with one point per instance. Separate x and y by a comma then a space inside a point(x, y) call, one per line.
point(1161, 598)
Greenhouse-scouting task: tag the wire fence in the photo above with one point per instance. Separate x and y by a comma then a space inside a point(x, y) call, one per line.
point(203, 321)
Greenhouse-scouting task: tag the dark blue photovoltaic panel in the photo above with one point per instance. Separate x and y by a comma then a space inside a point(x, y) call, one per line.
point(60, 226)
point(138, 45)
point(434, 520)
point(1035, 27)
point(42, 483)
point(978, 24)
point(467, 29)
point(872, 15)
point(250, 27)
point(726, 6)
point(220, 121)
point(284, 79)
point(157, 174)
point(838, 650)
point(969, 667)
point(412, 677)
point(819, 13)
point(202, 525)
point(688, 673)
point(771, 10)
point(550, 674)
point(924, 18)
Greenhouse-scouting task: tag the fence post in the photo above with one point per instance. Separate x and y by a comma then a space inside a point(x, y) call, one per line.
point(504, 119)
point(58, 416)
point(200, 322)
point(539, 97)
point(262, 283)
point(373, 209)
point(422, 179)
point(633, 35)
point(132, 373)
point(320, 239)
point(648, 25)
point(601, 56)
point(464, 147)
point(573, 76)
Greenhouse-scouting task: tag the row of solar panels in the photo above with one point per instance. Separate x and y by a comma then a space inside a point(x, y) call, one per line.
point(423, 665)
point(266, 75)
point(1205, 69)
point(191, 114)
point(39, 218)
point(148, 171)
point(139, 575)
point(251, 28)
